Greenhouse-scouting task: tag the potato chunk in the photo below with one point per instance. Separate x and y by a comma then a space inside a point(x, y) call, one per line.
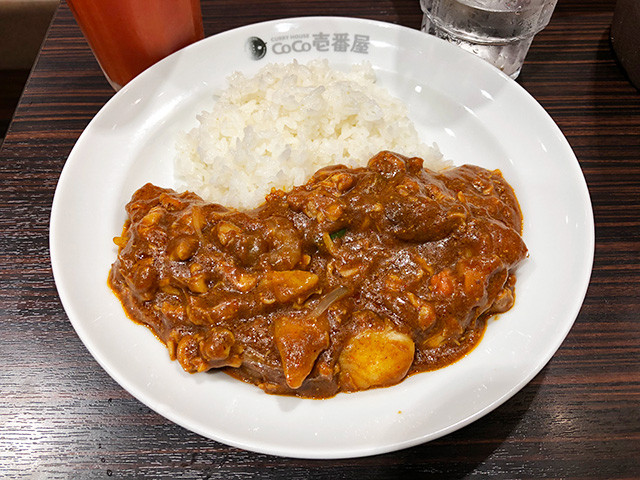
point(290, 285)
point(375, 358)
point(300, 341)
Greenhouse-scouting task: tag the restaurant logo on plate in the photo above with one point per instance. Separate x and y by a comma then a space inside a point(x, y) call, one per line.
point(305, 42)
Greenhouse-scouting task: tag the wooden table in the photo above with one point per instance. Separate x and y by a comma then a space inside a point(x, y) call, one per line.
point(62, 416)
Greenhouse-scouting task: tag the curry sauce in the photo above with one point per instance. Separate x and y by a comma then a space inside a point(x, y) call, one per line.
point(355, 280)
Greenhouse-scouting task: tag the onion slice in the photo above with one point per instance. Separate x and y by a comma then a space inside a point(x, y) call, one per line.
point(328, 300)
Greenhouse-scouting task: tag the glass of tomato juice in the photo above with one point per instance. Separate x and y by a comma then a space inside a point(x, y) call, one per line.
point(128, 36)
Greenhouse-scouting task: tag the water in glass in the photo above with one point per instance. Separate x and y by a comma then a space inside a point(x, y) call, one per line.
point(499, 31)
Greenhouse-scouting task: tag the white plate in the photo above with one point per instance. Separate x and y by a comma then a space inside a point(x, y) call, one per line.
point(476, 115)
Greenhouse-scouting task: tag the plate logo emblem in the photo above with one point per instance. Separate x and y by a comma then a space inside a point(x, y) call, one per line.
point(256, 47)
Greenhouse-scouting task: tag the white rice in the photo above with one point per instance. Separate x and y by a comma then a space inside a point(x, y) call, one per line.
point(274, 130)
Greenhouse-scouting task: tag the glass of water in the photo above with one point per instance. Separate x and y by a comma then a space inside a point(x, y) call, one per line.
point(499, 31)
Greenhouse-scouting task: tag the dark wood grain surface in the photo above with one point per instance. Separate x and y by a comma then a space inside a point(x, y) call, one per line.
point(62, 416)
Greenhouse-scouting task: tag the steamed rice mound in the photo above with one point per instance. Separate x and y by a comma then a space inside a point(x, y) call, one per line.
point(275, 129)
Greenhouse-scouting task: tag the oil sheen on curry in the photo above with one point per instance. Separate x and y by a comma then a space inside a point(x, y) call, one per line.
point(352, 281)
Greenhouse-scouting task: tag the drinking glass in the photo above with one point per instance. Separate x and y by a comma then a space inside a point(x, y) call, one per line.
point(499, 31)
point(128, 36)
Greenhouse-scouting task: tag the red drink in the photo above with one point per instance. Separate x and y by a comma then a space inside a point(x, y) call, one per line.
point(128, 36)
